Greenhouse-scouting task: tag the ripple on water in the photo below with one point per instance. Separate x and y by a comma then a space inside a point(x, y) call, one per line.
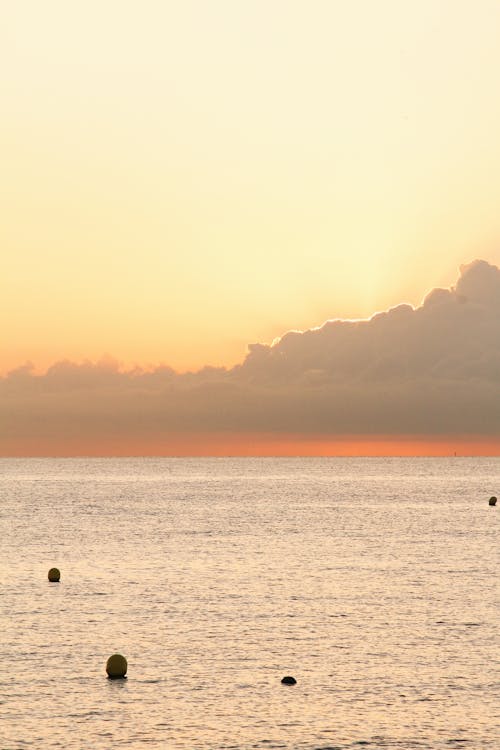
point(217, 577)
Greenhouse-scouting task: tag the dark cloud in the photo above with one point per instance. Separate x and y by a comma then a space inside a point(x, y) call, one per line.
point(433, 370)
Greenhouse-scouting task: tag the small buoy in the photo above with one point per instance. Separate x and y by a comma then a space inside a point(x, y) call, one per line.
point(492, 501)
point(288, 680)
point(116, 666)
point(54, 575)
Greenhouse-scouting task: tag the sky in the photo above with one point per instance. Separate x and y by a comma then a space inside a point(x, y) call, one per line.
point(181, 181)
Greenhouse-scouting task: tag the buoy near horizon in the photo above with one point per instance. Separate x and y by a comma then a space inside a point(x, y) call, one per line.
point(54, 575)
point(288, 680)
point(492, 502)
point(116, 667)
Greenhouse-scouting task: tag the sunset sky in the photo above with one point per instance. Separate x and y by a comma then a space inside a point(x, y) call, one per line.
point(182, 179)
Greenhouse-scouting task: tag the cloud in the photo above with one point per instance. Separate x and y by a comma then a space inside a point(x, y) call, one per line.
point(454, 334)
point(433, 370)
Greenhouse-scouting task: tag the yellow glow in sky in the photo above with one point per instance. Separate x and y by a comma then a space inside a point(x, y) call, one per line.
point(180, 179)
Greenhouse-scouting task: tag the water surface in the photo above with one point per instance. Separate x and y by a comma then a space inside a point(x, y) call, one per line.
point(372, 581)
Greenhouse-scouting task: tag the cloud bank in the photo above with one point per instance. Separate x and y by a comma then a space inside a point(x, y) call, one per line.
point(430, 371)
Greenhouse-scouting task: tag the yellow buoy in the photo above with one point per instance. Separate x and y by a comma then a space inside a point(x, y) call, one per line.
point(116, 666)
point(54, 575)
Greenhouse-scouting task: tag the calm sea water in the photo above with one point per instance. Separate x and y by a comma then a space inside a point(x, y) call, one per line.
point(372, 581)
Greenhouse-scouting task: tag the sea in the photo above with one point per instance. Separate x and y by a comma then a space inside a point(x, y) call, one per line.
point(372, 581)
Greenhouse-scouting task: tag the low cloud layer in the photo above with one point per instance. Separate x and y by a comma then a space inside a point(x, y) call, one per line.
point(433, 370)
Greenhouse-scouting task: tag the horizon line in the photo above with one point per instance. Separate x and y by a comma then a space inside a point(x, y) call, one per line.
point(253, 455)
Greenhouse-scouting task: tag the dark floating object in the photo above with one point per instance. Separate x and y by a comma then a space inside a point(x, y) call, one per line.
point(54, 575)
point(288, 680)
point(116, 667)
point(492, 501)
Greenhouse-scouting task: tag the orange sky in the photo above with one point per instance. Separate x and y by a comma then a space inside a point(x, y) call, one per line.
point(181, 180)
point(260, 444)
